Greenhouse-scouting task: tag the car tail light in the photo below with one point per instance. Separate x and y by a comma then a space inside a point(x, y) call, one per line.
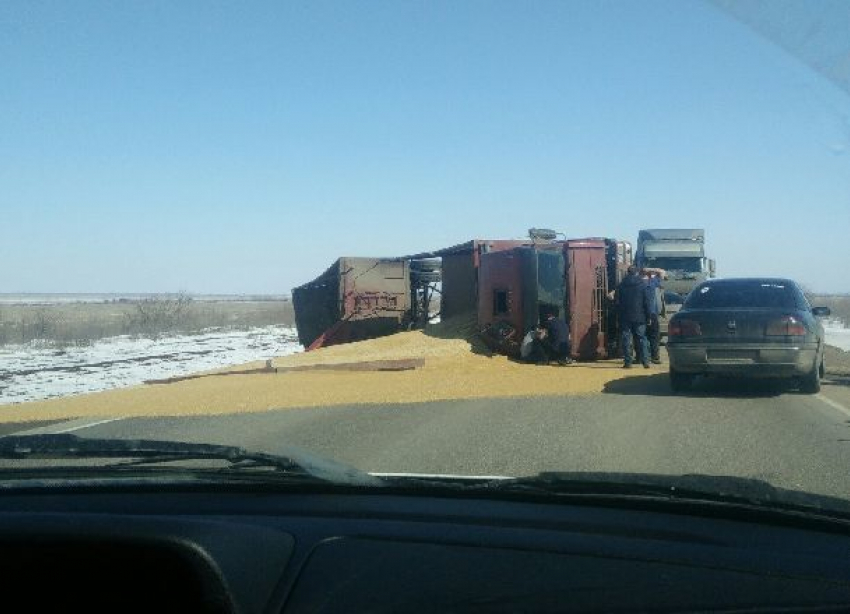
point(684, 328)
point(787, 326)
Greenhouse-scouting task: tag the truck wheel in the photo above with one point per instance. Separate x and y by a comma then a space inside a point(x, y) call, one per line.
point(680, 382)
point(811, 382)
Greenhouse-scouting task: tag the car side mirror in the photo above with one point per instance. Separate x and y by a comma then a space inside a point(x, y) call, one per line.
point(712, 268)
point(822, 312)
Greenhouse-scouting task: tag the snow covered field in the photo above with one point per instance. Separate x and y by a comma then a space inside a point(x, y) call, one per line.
point(837, 334)
point(72, 298)
point(32, 371)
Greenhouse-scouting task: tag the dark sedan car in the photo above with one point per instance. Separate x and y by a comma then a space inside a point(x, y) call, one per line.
point(760, 328)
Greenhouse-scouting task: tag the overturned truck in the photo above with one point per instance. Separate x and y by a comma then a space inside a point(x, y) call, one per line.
point(504, 286)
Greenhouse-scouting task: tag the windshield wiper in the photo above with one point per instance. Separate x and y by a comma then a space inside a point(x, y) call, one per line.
point(145, 452)
point(728, 491)
point(689, 487)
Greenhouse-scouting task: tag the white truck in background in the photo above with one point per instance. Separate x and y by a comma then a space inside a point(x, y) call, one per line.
point(680, 252)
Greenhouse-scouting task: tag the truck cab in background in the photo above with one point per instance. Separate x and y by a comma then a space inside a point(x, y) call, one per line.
point(680, 252)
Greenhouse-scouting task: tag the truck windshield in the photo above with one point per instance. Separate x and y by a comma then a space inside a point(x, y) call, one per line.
point(687, 265)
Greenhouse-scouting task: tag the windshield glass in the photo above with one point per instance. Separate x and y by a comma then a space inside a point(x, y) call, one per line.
point(685, 265)
point(428, 238)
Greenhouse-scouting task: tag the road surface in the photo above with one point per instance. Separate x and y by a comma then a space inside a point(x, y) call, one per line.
point(791, 440)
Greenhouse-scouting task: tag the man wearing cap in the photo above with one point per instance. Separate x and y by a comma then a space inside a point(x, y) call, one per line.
point(652, 279)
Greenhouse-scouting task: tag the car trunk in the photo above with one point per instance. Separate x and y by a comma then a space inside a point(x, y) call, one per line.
point(718, 338)
point(739, 326)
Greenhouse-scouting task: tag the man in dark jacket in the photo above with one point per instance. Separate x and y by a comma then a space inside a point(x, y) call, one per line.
point(633, 309)
point(558, 334)
point(652, 279)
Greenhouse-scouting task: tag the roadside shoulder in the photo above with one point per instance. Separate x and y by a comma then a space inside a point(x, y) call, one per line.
point(836, 383)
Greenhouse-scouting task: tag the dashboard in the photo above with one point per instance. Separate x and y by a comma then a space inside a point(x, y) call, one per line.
point(243, 550)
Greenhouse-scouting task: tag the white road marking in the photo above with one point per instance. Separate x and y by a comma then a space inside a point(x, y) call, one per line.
point(442, 475)
point(833, 404)
point(70, 427)
point(85, 426)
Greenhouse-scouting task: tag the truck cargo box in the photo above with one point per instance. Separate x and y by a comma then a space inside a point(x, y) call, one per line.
point(356, 298)
point(460, 272)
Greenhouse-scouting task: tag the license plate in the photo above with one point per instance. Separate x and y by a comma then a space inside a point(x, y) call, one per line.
point(733, 355)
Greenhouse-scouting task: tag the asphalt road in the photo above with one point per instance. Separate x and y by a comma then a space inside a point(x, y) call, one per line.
point(722, 428)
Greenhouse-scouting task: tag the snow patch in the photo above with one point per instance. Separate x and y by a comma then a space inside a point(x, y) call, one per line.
point(36, 371)
point(837, 334)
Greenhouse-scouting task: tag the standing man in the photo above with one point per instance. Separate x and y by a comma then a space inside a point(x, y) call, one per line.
point(633, 310)
point(558, 333)
point(652, 279)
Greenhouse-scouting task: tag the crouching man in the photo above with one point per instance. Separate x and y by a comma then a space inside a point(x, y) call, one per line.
point(533, 347)
point(558, 336)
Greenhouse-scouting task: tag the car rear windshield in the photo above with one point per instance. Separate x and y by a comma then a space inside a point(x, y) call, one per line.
point(757, 295)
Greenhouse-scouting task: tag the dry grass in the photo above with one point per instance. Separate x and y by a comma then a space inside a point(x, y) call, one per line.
point(82, 323)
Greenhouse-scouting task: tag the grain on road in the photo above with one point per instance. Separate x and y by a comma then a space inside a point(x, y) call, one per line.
point(452, 369)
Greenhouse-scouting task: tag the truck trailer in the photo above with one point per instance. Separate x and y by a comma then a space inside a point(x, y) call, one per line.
point(355, 299)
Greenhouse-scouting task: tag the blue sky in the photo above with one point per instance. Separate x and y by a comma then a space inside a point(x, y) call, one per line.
point(242, 146)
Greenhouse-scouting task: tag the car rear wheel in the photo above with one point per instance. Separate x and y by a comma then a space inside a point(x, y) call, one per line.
point(680, 382)
point(811, 382)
